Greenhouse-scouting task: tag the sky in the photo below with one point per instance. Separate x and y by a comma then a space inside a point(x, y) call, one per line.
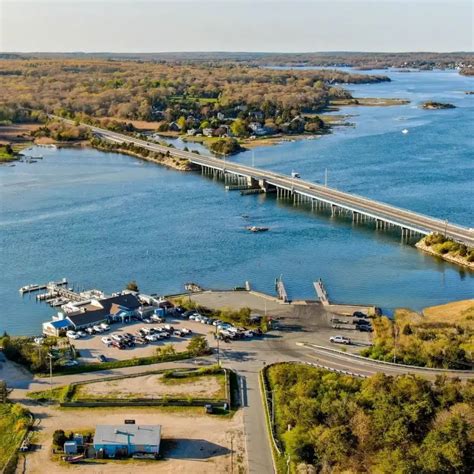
point(236, 25)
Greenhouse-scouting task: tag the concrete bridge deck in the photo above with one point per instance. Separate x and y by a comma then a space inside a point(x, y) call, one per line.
point(384, 215)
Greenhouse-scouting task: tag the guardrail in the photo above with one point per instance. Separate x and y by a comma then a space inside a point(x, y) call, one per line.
point(382, 362)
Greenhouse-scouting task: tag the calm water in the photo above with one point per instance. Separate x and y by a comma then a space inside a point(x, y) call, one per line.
point(104, 219)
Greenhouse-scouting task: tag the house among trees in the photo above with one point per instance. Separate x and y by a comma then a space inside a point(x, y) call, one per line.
point(174, 127)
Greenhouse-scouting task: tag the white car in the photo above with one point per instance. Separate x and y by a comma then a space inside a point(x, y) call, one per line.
point(39, 340)
point(81, 334)
point(106, 340)
point(340, 340)
point(72, 335)
point(89, 331)
point(117, 337)
point(168, 327)
point(151, 337)
point(97, 328)
point(186, 331)
point(105, 327)
point(248, 333)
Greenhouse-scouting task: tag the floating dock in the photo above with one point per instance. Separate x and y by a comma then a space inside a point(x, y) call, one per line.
point(34, 287)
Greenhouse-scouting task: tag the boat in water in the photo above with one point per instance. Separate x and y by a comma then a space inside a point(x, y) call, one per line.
point(254, 228)
point(405, 131)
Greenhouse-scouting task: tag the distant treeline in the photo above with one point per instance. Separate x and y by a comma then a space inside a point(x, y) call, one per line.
point(424, 60)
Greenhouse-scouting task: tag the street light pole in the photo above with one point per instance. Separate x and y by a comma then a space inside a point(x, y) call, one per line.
point(50, 371)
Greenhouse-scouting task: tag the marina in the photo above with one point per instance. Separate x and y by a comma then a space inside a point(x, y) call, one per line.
point(186, 227)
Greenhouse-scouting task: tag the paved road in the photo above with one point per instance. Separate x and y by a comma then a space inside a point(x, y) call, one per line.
point(309, 324)
point(377, 210)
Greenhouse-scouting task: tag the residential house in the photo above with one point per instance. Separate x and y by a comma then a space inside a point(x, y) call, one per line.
point(174, 127)
point(258, 129)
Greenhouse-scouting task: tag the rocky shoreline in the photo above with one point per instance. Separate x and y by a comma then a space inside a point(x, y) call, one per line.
point(456, 259)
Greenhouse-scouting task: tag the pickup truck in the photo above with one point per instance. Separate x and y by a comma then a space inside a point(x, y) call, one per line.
point(340, 340)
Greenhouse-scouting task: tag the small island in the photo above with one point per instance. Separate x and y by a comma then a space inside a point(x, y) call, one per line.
point(430, 105)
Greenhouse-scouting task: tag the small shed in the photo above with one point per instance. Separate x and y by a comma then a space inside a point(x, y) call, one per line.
point(70, 447)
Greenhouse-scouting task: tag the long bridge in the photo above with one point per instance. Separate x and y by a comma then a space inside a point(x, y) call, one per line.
point(383, 215)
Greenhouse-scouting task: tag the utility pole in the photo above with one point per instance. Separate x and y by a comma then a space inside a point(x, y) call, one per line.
point(50, 371)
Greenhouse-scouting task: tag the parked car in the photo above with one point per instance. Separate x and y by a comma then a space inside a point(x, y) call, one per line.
point(81, 333)
point(364, 328)
point(70, 363)
point(106, 340)
point(105, 327)
point(102, 358)
point(217, 322)
point(89, 331)
point(248, 333)
point(117, 337)
point(168, 327)
point(362, 322)
point(151, 337)
point(147, 320)
point(157, 319)
point(97, 328)
point(339, 340)
point(38, 340)
point(186, 331)
point(72, 335)
point(178, 333)
point(359, 314)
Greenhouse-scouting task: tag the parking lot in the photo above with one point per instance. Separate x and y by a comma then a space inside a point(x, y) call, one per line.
point(90, 347)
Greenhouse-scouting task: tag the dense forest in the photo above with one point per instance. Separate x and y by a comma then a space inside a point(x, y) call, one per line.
point(338, 423)
point(171, 92)
point(442, 338)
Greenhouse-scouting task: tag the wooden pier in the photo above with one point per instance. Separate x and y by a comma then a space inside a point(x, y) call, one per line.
point(281, 290)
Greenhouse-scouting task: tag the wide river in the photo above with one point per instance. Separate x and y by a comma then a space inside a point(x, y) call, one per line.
point(103, 219)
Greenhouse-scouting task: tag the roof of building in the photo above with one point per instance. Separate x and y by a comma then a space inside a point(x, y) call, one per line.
point(127, 300)
point(89, 317)
point(127, 434)
point(59, 323)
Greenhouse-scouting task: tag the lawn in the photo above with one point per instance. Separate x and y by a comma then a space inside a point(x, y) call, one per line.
point(14, 422)
point(457, 312)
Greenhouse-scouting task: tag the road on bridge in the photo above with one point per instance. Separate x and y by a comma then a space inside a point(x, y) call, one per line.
point(399, 217)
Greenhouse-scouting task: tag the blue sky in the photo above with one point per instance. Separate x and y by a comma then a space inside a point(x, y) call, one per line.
point(229, 25)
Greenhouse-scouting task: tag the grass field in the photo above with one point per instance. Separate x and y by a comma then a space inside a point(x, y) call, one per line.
point(455, 313)
point(13, 425)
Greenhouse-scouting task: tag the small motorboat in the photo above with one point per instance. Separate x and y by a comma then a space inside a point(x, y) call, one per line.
point(405, 131)
point(254, 228)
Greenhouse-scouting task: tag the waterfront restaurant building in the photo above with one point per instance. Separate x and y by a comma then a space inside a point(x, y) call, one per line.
point(127, 439)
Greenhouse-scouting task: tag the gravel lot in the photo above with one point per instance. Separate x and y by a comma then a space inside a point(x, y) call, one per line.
point(150, 386)
point(191, 441)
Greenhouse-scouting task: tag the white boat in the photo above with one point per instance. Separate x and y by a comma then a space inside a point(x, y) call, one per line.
point(405, 131)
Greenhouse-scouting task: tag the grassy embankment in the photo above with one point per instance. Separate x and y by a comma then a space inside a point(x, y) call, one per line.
point(14, 423)
point(328, 422)
point(440, 337)
point(7, 154)
point(447, 249)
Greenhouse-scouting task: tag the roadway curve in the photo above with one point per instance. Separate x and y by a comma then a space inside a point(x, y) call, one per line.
point(377, 210)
